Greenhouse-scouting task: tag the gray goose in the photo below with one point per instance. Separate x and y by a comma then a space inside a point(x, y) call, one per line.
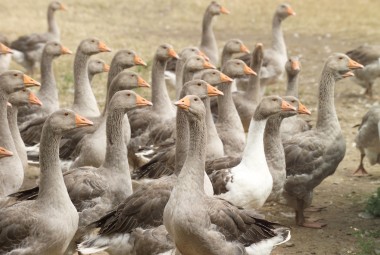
point(313, 155)
point(367, 139)
point(5, 56)
point(18, 99)
point(28, 48)
point(35, 232)
point(145, 207)
point(205, 227)
point(276, 56)
point(11, 169)
point(294, 124)
point(96, 66)
point(369, 56)
point(208, 41)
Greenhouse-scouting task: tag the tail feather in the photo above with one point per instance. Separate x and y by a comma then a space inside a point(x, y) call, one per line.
point(116, 244)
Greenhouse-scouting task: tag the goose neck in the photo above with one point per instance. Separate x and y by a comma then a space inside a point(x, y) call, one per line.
point(226, 55)
point(115, 69)
point(160, 97)
point(48, 92)
point(253, 153)
point(254, 89)
point(179, 77)
point(278, 43)
point(327, 116)
point(292, 88)
point(52, 24)
point(182, 140)
point(5, 133)
point(274, 150)
point(210, 124)
point(226, 108)
point(208, 37)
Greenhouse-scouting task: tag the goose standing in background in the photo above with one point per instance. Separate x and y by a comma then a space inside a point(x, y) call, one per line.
point(208, 41)
point(313, 155)
point(18, 99)
point(35, 232)
point(28, 48)
point(367, 140)
point(11, 169)
point(96, 66)
point(206, 227)
point(369, 56)
point(5, 56)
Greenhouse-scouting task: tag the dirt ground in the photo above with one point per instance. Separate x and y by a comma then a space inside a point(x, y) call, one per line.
point(320, 28)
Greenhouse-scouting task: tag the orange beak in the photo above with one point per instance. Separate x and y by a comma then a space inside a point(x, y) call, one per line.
point(225, 78)
point(140, 101)
point(202, 54)
point(244, 49)
point(248, 70)
point(224, 10)
point(291, 12)
point(65, 50)
point(139, 61)
point(296, 65)
point(213, 92)
point(208, 65)
point(354, 65)
point(183, 103)
point(33, 99)
point(63, 7)
point(285, 106)
point(106, 68)
point(4, 49)
point(142, 83)
point(5, 153)
point(348, 74)
point(173, 54)
point(29, 82)
point(303, 110)
point(82, 121)
point(103, 47)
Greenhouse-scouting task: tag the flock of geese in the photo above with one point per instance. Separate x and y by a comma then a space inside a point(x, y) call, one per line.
point(145, 177)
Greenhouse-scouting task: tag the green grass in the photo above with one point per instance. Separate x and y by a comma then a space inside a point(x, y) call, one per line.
point(373, 204)
point(367, 241)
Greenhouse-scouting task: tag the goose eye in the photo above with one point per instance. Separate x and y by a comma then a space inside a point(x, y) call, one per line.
point(238, 64)
point(195, 99)
point(129, 53)
point(129, 94)
point(164, 47)
point(199, 84)
point(274, 100)
point(66, 113)
point(132, 75)
point(92, 41)
point(192, 50)
point(24, 90)
point(340, 58)
point(15, 75)
point(98, 62)
point(55, 44)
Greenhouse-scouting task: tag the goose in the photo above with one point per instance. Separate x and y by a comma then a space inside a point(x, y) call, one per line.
point(247, 101)
point(11, 169)
point(206, 227)
point(28, 48)
point(5, 57)
point(5, 153)
point(208, 41)
point(96, 66)
point(273, 148)
point(163, 163)
point(144, 208)
point(367, 139)
point(276, 56)
point(294, 124)
point(369, 56)
point(249, 183)
point(228, 125)
point(231, 47)
point(35, 232)
point(313, 155)
point(19, 99)
point(123, 59)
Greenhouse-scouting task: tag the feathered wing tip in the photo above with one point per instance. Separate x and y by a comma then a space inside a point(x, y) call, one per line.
point(115, 243)
point(265, 247)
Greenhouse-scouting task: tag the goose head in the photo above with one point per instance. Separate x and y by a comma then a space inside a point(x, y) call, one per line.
point(56, 49)
point(4, 49)
point(215, 77)
point(293, 66)
point(57, 6)
point(93, 46)
point(127, 58)
point(127, 99)
point(166, 51)
point(193, 106)
point(24, 97)
point(12, 81)
point(340, 66)
point(235, 46)
point(237, 68)
point(293, 101)
point(201, 88)
point(65, 120)
point(216, 9)
point(271, 105)
point(197, 63)
point(192, 51)
point(5, 153)
point(128, 79)
point(283, 11)
point(96, 66)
